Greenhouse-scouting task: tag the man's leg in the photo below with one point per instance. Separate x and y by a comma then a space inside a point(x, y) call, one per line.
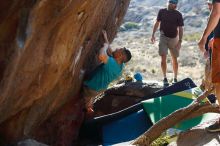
point(215, 67)
point(89, 96)
point(163, 51)
point(216, 126)
point(164, 70)
point(164, 65)
point(217, 91)
point(174, 54)
point(215, 74)
point(175, 66)
point(89, 102)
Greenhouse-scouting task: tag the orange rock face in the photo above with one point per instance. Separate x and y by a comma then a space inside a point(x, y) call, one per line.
point(45, 48)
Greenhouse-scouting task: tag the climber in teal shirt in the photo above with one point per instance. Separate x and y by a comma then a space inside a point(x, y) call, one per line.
point(104, 75)
point(111, 69)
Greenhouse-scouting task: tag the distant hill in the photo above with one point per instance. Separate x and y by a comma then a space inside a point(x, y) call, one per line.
point(143, 12)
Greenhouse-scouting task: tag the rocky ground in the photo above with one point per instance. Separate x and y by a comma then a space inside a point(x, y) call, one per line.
point(136, 31)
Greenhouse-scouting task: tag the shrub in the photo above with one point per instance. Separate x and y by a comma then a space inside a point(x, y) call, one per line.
point(192, 37)
point(161, 141)
point(129, 26)
point(153, 70)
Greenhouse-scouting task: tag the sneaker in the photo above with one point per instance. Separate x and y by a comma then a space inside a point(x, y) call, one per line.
point(214, 127)
point(165, 82)
point(174, 81)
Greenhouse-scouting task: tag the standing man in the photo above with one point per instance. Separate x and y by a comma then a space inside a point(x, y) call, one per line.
point(171, 31)
point(214, 24)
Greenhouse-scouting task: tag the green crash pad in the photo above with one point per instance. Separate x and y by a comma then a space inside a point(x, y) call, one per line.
point(161, 107)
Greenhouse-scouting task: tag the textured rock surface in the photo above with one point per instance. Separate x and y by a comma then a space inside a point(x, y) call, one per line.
point(45, 47)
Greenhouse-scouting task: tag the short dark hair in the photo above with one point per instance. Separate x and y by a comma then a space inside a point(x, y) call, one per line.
point(128, 55)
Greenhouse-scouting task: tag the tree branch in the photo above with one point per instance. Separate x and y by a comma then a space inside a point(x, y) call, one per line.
point(194, 109)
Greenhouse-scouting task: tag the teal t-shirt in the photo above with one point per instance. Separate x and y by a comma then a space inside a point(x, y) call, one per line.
point(104, 75)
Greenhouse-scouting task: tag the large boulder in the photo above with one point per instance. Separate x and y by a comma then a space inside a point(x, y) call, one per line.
point(124, 95)
point(46, 46)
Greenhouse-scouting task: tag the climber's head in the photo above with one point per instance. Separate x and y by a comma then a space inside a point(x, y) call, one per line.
point(123, 55)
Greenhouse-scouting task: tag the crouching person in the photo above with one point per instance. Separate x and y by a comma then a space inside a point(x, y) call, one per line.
point(109, 70)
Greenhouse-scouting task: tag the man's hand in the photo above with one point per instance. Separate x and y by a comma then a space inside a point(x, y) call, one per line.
point(156, 25)
point(201, 44)
point(210, 44)
point(206, 54)
point(153, 39)
point(103, 56)
point(178, 45)
point(105, 36)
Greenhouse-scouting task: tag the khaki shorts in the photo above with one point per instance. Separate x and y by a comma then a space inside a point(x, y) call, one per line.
point(89, 92)
point(216, 61)
point(89, 95)
point(168, 43)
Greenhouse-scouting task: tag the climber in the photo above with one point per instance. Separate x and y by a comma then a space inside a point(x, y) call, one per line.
point(111, 69)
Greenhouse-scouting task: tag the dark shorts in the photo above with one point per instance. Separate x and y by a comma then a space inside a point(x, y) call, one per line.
point(216, 61)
